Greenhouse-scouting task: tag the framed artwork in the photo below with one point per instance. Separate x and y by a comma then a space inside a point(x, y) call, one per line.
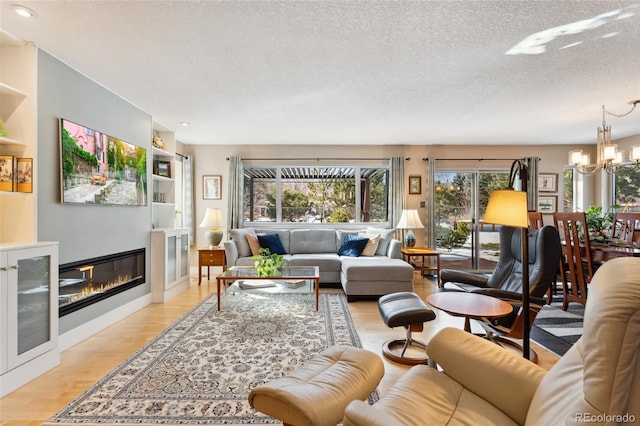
point(547, 203)
point(415, 184)
point(212, 187)
point(6, 172)
point(548, 182)
point(162, 168)
point(24, 175)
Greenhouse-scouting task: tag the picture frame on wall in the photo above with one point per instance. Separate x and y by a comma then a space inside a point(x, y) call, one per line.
point(547, 203)
point(415, 184)
point(548, 182)
point(212, 187)
point(162, 168)
point(24, 175)
point(6, 172)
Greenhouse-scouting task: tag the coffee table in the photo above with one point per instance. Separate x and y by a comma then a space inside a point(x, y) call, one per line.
point(288, 274)
point(469, 305)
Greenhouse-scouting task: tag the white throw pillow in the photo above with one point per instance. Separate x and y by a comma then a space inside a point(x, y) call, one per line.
point(372, 245)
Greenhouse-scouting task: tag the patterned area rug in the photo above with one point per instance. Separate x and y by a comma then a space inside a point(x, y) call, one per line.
point(558, 330)
point(200, 369)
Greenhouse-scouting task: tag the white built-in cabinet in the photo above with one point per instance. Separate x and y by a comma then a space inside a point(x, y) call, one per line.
point(28, 313)
point(170, 263)
point(169, 245)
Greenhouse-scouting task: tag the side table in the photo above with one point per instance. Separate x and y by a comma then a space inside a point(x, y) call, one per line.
point(408, 254)
point(469, 305)
point(210, 257)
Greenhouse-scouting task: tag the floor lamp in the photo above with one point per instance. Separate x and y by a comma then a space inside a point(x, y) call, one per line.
point(509, 207)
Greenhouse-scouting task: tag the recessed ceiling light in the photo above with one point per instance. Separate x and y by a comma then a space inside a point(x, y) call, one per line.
point(185, 123)
point(25, 12)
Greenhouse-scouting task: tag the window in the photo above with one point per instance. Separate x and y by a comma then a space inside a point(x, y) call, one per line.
point(317, 194)
point(627, 189)
point(567, 199)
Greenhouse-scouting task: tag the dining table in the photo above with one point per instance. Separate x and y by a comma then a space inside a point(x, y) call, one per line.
point(601, 252)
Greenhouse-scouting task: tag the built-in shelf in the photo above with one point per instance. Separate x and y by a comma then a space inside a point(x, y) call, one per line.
point(157, 152)
point(9, 141)
point(11, 98)
point(162, 178)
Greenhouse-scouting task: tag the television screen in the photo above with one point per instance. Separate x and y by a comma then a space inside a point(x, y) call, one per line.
point(100, 169)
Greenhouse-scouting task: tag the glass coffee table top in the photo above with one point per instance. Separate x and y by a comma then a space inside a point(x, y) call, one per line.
point(290, 279)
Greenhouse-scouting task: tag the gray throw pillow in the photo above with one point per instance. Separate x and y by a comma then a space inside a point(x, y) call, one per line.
point(238, 235)
point(386, 235)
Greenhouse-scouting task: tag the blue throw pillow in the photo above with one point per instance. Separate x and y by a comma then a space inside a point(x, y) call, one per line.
point(352, 245)
point(272, 242)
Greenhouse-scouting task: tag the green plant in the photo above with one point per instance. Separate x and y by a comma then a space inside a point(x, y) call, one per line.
point(599, 222)
point(450, 238)
point(267, 264)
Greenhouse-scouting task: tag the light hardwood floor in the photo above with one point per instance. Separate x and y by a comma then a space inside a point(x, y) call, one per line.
point(88, 361)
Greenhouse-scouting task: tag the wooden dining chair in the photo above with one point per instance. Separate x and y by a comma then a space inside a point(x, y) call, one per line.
point(626, 227)
point(576, 266)
point(535, 219)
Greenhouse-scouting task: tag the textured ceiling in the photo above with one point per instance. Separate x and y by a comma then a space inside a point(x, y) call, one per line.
point(355, 72)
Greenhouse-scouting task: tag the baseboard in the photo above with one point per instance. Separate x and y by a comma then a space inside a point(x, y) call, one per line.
point(88, 329)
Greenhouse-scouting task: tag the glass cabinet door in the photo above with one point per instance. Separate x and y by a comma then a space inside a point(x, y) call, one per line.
point(184, 255)
point(32, 322)
point(172, 259)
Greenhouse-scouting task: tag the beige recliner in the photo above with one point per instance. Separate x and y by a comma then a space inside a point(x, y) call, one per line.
point(596, 382)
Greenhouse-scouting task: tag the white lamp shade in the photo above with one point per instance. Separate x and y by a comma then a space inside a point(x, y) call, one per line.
point(212, 218)
point(635, 153)
point(409, 220)
point(507, 207)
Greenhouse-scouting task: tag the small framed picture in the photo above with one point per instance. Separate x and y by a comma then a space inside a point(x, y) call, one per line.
point(548, 182)
point(162, 168)
point(415, 184)
point(547, 203)
point(24, 175)
point(212, 187)
point(6, 172)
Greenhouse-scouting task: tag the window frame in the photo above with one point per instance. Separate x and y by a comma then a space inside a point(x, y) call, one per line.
point(357, 165)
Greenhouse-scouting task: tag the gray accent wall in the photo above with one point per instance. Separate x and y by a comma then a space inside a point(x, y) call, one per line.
point(87, 231)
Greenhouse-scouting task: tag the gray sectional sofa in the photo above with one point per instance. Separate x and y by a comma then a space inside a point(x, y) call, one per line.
point(382, 273)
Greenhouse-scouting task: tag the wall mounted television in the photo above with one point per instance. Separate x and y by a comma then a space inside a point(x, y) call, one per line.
point(99, 169)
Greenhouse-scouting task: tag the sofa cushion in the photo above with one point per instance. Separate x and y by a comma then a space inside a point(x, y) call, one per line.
point(376, 268)
point(386, 235)
point(272, 242)
point(303, 241)
point(352, 246)
point(238, 235)
point(327, 262)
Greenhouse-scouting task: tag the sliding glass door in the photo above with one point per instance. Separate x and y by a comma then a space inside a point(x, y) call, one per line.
point(461, 197)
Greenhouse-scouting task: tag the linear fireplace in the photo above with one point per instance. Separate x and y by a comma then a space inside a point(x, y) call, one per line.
point(88, 281)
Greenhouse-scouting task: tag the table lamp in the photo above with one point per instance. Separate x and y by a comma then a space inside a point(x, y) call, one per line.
point(212, 220)
point(509, 207)
point(409, 220)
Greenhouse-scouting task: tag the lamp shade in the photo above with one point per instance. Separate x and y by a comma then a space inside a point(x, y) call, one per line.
point(409, 220)
point(212, 220)
point(507, 207)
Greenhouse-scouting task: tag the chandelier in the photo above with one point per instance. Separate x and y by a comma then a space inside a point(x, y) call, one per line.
point(609, 158)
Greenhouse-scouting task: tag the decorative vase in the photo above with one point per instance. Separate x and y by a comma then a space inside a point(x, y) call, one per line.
point(409, 239)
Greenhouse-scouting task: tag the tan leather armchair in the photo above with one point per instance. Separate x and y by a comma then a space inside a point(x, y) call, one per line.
point(596, 382)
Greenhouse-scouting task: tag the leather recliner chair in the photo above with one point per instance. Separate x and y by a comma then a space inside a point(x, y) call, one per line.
point(505, 282)
point(597, 381)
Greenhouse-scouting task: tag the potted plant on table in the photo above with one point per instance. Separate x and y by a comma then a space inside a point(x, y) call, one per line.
point(599, 222)
point(267, 264)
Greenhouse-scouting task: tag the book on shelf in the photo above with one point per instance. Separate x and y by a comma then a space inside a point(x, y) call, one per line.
point(250, 284)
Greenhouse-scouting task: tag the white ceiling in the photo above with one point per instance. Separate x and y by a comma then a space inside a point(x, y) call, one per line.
point(354, 72)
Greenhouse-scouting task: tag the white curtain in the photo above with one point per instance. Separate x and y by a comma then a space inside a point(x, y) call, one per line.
point(396, 190)
point(187, 194)
point(429, 219)
point(235, 214)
